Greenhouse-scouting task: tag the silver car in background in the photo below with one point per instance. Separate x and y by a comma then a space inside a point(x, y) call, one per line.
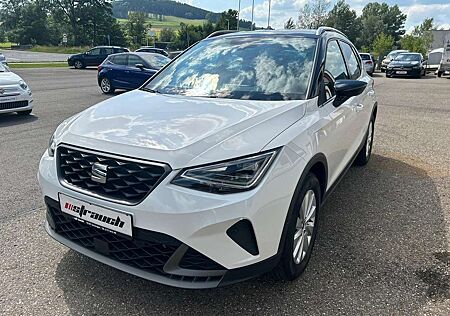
point(15, 94)
point(2, 58)
point(368, 62)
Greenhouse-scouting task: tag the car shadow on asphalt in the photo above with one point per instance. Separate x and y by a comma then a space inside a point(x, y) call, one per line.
point(11, 119)
point(380, 249)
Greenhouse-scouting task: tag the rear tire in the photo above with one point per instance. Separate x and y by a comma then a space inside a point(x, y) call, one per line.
point(439, 74)
point(24, 113)
point(105, 86)
point(301, 231)
point(366, 151)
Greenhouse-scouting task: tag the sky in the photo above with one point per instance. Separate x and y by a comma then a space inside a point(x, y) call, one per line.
point(282, 10)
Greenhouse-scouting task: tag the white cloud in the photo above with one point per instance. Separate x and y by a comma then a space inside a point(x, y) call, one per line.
point(282, 10)
point(418, 12)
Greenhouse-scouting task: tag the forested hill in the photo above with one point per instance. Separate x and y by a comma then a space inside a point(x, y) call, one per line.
point(164, 7)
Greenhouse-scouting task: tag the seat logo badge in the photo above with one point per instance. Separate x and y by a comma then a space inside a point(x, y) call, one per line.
point(2, 91)
point(99, 173)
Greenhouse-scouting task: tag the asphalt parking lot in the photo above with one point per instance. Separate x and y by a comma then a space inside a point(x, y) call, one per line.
point(383, 245)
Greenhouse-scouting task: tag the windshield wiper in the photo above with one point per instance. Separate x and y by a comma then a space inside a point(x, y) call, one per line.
point(151, 90)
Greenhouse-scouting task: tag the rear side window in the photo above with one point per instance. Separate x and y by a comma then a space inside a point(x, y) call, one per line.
point(120, 60)
point(108, 51)
point(119, 50)
point(94, 51)
point(352, 61)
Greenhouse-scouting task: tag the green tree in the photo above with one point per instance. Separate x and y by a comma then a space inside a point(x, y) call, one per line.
point(227, 18)
point(382, 45)
point(166, 35)
point(420, 39)
point(313, 14)
point(379, 18)
point(344, 19)
point(289, 25)
point(136, 27)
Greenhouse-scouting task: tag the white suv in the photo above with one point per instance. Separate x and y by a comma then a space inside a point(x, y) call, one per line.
point(216, 169)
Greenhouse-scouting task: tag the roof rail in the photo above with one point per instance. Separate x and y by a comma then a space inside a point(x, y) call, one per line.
point(323, 29)
point(222, 32)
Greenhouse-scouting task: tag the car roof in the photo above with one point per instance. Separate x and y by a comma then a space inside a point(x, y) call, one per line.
point(268, 33)
point(400, 51)
point(149, 47)
point(108, 47)
point(410, 53)
point(136, 53)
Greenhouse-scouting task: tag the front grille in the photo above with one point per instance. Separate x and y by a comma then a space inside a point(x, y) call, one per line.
point(127, 181)
point(13, 105)
point(148, 251)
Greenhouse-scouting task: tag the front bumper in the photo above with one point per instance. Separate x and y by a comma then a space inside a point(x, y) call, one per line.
point(410, 72)
point(16, 103)
point(198, 221)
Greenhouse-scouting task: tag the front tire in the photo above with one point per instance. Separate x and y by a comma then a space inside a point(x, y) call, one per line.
point(78, 64)
point(105, 86)
point(366, 151)
point(301, 231)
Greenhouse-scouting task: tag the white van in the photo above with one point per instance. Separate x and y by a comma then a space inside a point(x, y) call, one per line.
point(444, 66)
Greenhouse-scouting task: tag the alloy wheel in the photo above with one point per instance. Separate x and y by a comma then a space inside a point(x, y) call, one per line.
point(105, 85)
point(78, 64)
point(305, 226)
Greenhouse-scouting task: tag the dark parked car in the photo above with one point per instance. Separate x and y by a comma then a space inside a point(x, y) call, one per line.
point(128, 70)
point(147, 49)
point(94, 57)
point(407, 64)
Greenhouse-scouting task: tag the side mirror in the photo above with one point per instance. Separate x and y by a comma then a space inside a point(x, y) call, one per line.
point(346, 89)
point(384, 57)
point(140, 66)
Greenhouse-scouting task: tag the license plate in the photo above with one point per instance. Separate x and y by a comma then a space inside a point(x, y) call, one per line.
point(401, 72)
point(6, 99)
point(97, 216)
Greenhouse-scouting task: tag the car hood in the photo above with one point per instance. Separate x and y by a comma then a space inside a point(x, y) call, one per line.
point(9, 78)
point(181, 131)
point(76, 55)
point(404, 63)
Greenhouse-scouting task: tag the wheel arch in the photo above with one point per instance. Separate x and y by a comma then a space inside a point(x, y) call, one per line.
point(319, 166)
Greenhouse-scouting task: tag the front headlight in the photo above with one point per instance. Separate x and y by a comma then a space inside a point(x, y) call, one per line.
point(23, 85)
point(227, 177)
point(51, 146)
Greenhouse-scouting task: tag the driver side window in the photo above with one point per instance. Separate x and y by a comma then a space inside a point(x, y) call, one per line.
point(94, 51)
point(334, 69)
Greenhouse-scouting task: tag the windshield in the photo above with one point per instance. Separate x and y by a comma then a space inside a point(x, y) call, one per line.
point(408, 57)
point(241, 67)
point(155, 60)
point(365, 56)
